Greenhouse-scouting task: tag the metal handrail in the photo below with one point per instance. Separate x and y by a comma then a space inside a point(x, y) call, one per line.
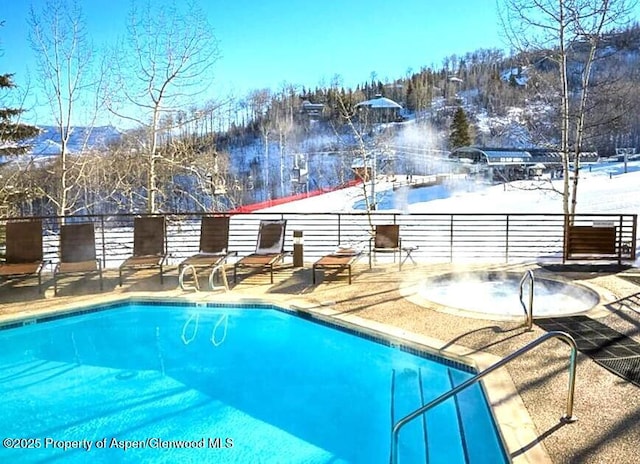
point(183, 273)
point(568, 417)
point(528, 312)
point(220, 268)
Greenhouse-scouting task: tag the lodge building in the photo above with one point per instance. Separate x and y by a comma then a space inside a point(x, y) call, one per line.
point(507, 164)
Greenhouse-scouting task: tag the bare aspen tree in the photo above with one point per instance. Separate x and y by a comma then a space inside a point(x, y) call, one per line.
point(68, 81)
point(569, 33)
point(282, 119)
point(365, 150)
point(258, 102)
point(162, 66)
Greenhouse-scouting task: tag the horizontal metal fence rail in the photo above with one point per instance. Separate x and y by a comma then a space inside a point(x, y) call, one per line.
point(439, 238)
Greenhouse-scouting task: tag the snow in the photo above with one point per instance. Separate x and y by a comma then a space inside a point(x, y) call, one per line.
point(48, 142)
point(518, 74)
point(379, 102)
point(602, 188)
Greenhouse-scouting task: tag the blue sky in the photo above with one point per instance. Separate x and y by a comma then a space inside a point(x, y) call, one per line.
point(265, 43)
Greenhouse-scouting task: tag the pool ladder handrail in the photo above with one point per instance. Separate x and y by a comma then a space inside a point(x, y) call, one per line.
point(528, 312)
point(567, 418)
point(219, 268)
point(182, 275)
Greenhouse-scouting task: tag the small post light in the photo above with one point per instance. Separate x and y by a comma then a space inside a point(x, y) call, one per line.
point(298, 241)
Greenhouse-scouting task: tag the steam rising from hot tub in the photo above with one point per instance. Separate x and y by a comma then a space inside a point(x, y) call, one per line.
point(415, 169)
point(497, 293)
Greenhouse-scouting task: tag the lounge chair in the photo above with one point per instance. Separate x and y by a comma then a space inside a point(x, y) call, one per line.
point(339, 260)
point(386, 239)
point(212, 253)
point(269, 248)
point(149, 246)
point(77, 252)
point(23, 253)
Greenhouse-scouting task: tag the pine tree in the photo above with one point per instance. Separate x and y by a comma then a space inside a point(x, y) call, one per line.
point(12, 133)
point(459, 136)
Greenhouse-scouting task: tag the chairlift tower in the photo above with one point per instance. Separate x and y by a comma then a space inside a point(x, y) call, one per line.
point(216, 183)
point(300, 173)
point(625, 153)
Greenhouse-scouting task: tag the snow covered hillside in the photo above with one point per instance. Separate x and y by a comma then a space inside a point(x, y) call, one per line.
point(47, 143)
point(603, 188)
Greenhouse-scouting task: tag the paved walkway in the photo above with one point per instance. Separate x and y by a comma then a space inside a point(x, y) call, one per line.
point(607, 407)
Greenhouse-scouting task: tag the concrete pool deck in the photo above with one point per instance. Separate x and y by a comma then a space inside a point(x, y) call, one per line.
point(607, 407)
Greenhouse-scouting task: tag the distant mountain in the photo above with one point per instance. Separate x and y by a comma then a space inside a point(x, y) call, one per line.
point(47, 143)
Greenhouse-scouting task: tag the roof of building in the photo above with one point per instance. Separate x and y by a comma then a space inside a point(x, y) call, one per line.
point(379, 102)
point(308, 104)
point(504, 156)
point(493, 155)
point(507, 156)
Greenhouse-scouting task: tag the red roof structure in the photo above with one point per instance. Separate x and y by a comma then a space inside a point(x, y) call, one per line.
point(280, 201)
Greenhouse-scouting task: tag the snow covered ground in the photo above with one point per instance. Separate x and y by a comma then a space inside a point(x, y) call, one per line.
point(603, 188)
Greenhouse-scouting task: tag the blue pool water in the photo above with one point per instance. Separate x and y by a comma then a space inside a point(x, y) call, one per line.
point(400, 198)
point(225, 384)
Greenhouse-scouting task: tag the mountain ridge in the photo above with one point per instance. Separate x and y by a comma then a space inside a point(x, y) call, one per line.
point(48, 142)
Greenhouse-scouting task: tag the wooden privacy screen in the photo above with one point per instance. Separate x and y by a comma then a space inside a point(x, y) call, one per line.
point(591, 242)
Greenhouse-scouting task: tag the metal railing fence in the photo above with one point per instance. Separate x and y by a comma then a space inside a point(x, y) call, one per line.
point(439, 238)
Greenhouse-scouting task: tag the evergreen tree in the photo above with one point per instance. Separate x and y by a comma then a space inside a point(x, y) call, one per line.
point(459, 136)
point(12, 133)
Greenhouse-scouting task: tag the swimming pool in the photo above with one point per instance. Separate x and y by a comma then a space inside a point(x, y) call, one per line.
point(170, 382)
